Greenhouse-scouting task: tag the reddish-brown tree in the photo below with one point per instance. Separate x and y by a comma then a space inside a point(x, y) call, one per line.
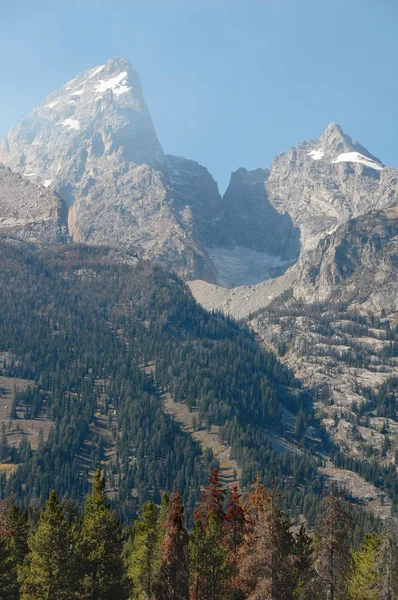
point(234, 522)
point(211, 501)
point(266, 556)
point(173, 581)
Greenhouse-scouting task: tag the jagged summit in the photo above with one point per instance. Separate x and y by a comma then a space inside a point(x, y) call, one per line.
point(93, 141)
point(322, 183)
point(335, 143)
point(101, 112)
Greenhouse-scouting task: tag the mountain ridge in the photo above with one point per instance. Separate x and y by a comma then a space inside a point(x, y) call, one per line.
point(93, 142)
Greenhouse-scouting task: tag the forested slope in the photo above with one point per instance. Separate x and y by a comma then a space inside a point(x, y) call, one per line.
point(81, 327)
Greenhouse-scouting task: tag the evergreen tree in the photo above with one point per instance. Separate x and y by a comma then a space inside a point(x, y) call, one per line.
point(219, 570)
point(212, 569)
point(304, 565)
point(363, 578)
point(144, 562)
point(14, 535)
point(100, 544)
point(4, 570)
point(198, 560)
point(387, 565)
point(173, 581)
point(49, 570)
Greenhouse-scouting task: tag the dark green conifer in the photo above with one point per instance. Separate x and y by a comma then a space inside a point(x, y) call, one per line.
point(102, 575)
point(49, 569)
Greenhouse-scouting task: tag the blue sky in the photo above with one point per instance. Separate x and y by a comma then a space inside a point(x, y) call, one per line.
point(229, 83)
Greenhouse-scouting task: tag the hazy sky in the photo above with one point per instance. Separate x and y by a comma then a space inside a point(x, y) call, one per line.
point(229, 83)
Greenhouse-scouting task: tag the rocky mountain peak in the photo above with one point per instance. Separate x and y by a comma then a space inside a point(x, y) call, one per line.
point(93, 141)
point(99, 114)
point(334, 143)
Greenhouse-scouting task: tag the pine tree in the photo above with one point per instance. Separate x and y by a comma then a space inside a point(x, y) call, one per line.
point(173, 581)
point(4, 570)
point(49, 570)
point(212, 572)
point(266, 557)
point(100, 544)
point(333, 560)
point(363, 578)
point(144, 563)
point(304, 565)
point(219, 572)
point(387, 565)
point(14, 535)
point(198, 560)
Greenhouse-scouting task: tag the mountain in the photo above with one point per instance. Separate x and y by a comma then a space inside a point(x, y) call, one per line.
point(30, 213)
point(93, 141)
point(323, 183)
point(308, 194)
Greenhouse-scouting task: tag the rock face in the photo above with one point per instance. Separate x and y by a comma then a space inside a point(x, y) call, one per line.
point(323, 183)
point(30, 213)
point(357, 264)
point(93, 141)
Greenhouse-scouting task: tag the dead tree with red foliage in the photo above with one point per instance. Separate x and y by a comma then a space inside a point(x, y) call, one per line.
point(173, 581)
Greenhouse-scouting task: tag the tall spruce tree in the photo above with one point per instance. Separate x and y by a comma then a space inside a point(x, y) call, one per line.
point(14, 537)
point(4, 570)
point(144, 561)
point(50, 566)
point(212, 569)
point(173, 581)
point(198, 560)
point(234, 523)
point(304, 568)
point(363, 579)
point(100, 544)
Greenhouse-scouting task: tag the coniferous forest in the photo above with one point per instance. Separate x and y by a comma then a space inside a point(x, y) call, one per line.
point(239, 547)
point(81, 327)
point(98, 344)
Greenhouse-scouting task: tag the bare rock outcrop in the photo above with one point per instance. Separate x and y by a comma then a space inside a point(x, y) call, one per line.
point(30, 213)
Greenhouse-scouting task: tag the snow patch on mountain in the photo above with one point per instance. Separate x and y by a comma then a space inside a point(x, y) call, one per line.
point(316, 154)
point(96, 71)
point(71, 124)
point(242, 266)
point(356, 157)
point(117, 84)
